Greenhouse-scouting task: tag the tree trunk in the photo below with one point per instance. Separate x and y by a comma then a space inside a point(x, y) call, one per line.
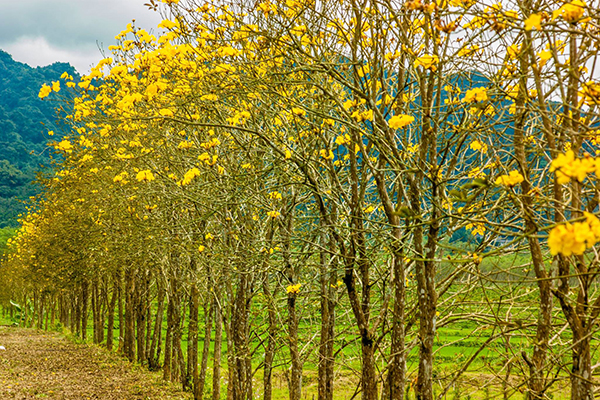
point(296, 371)
point(95, 311)
point(129, 342)
point(216, 390)
point(84, 309)
point(168, 341)
point(270, 349)
point(397, 367)
point(208, 315)
point(155, 347)
point(140, 315)
point(328, 280)
point(582, 387)
point(119, 284)
point(192, 350)
point(111, 315)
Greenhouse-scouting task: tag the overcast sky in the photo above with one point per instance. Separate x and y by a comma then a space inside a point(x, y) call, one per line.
point(40, 32)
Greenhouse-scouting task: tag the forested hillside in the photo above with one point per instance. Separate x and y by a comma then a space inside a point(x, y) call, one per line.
point(24, 123)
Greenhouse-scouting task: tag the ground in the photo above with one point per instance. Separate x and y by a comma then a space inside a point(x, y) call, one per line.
point(44, 365)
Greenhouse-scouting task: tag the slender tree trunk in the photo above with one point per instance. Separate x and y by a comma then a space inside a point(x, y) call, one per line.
point(111, 315)
point(192, 350)
point(95, 311)
point(582, 386)
point(208, 316)
point(168, 341)
point(140, 316)
point(155, 347)
point(397, 367)
point(180, 362)
point(296, 371)
point(216, 387)
point(130, 287)
point(119, 284)
point(148, 330)
point(537, 366)
point(84, 309)
point(272, 332)
point(328, 280)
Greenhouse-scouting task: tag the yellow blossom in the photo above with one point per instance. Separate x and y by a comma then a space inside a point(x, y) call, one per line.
point(567, 167)
point(145, 176)
point(274, 195)
point(65, 146)
point(570, 12)
point(568, 239)
point(298, 111)
point(400, 121)
point(326, 154)
point(476, 173)
point(477, 145)
point(590, 91)
point(475, 95)
point(533, 21)
point(165, 112)
point(294, 288)
point(427, 61)
point(189, 176)
point(44, 91)
point(510, 180)
point(476, 228)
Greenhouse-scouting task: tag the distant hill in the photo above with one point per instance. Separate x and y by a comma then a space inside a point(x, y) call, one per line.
point(24, 121)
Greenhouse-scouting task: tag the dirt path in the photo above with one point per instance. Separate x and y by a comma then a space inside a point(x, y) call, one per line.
point(44, 365)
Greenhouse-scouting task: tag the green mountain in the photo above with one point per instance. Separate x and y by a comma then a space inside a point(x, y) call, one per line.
point(24, 123)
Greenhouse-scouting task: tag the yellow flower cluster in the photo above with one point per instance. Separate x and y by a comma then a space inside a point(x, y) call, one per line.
point(476, 229)
point(570, 12)
point(45, 90)
point(534, 21)
point(273, 214)
point(400, 121)
point(189, 176)
point(274, 196)
point(568, 167)
point(475, 95)
point(65, 145)
point(294, 288)
point(427, 61)
point(513, 178)
point(476, 145)
point(568, 239)
point(590, 91)
point(145, 176)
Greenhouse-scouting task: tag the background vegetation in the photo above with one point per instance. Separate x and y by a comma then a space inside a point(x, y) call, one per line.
point(24, 125)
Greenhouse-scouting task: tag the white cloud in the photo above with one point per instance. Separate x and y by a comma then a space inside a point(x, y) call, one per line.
point(37, 52)
point(40, 32)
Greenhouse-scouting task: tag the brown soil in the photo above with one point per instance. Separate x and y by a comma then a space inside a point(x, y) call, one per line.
point(43, 365)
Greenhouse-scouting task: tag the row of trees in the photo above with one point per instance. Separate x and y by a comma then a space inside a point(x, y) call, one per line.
point(262, 161)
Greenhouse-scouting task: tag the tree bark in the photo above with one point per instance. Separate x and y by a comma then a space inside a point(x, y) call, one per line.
point(168, 341)
point(216, 387)
point(129, 340)
point(208, 316)
point(84, 309)
point(192, 350)
point(111, 315)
